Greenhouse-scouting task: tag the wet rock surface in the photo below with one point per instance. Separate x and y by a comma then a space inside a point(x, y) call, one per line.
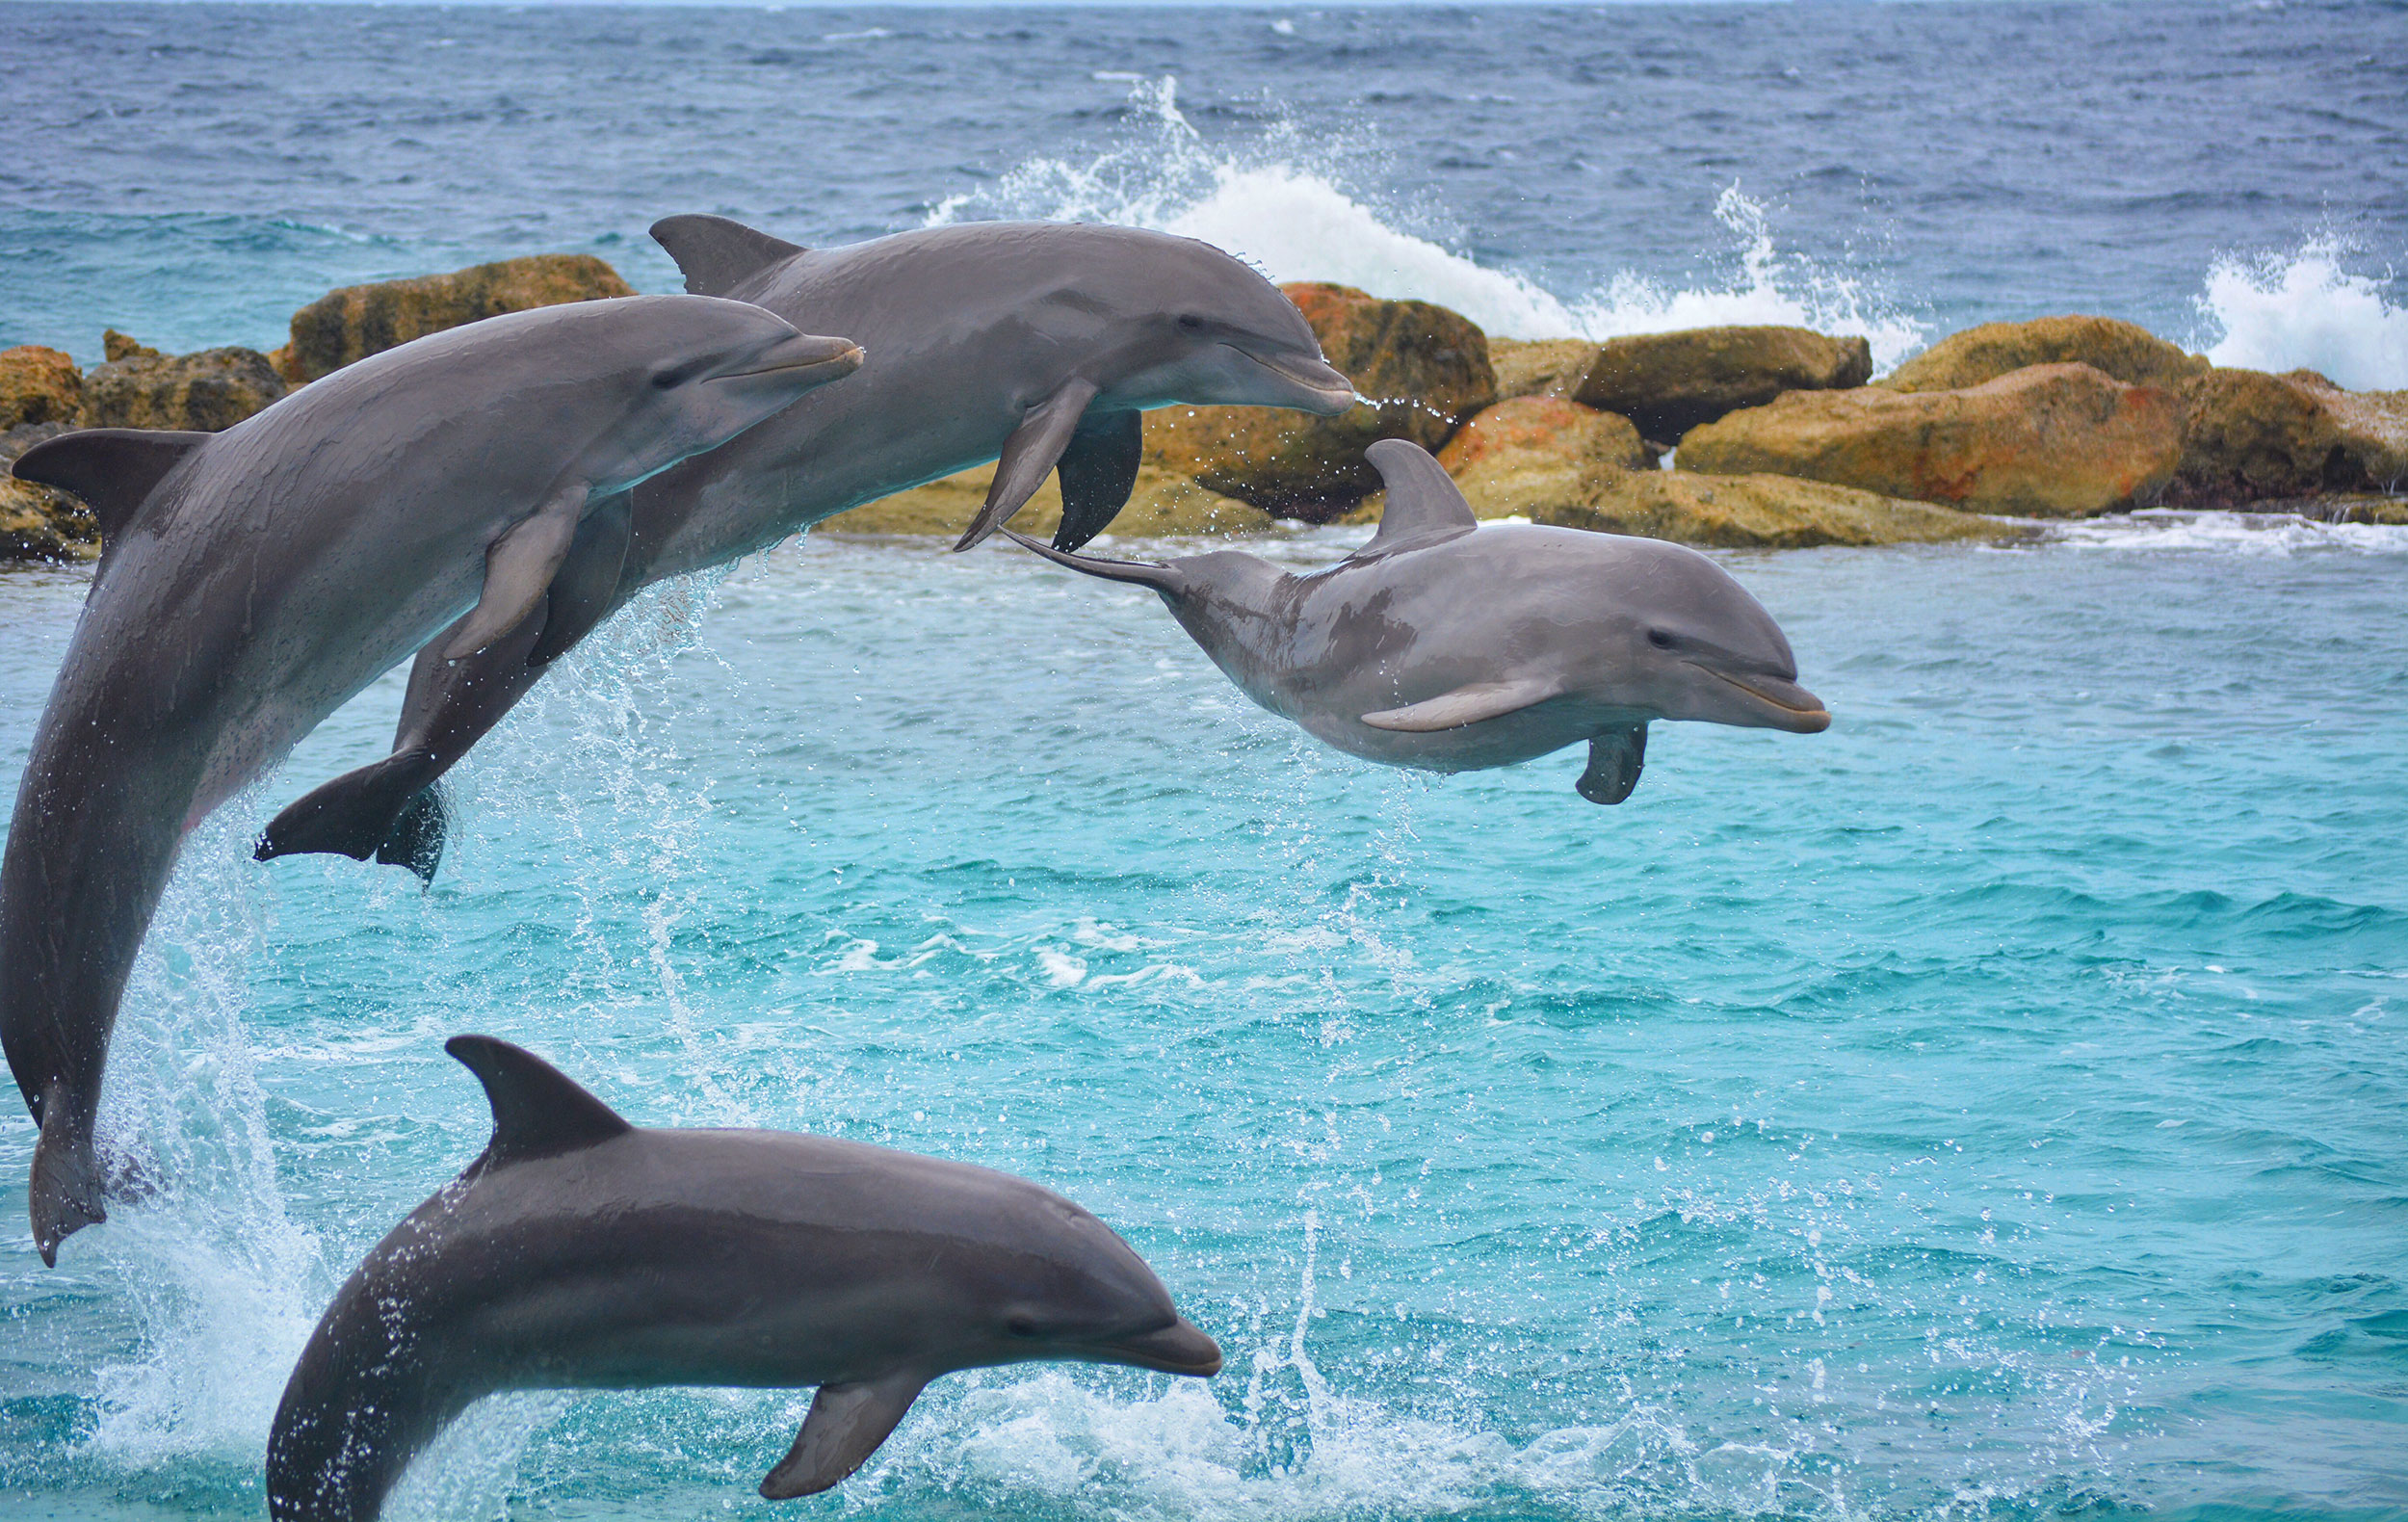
point(2250, 437)
point(41, 523)
point(1667, 383)
point(2043, 441)
point(2125, 350)
point(206, 392)
point(346, 326)
point(38, 385)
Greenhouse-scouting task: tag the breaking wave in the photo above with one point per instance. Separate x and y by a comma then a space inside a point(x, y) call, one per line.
point(2303, 310)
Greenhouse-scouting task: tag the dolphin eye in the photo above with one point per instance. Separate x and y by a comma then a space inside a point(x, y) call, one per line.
point(1191, 322)
point(672, 378)
point(1021, 1324)
point(1659, 640)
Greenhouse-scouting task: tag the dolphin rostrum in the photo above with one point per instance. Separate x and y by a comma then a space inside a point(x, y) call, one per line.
point(1448, 647)
point(581, 1252)
point(251, 580)
point(1038, 342)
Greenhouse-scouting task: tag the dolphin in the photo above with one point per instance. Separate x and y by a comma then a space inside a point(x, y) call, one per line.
point(1444, 646)
point(1038, 343)
point(253, 581)
point(581, 1252)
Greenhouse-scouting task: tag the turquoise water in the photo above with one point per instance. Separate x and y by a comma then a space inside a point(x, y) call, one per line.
point(1997, 1106)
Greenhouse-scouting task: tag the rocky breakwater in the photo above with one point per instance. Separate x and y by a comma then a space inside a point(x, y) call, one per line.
point(41, 393)
point(2050, 440)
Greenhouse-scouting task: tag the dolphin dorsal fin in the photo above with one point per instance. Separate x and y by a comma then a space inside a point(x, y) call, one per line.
point(714, 254)
point(114, 469)
point(1424, 505)
point(539, 1111)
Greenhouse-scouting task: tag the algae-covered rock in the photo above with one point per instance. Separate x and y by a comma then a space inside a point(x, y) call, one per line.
point(2046, 440)
point(2250, 436)
point(1759, 511)
point(1540, 367)
point(1164, 503)
point(2125, 350)
point(115, 346)
point(38, 385)
point(1669, 383)
point(206, 392)
point(349, 325)
point(1425, 368)
point(36, 523)
point(1530, 452)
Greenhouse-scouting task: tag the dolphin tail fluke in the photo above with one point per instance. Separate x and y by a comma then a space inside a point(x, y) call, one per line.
point(1163, 579)
point(64, 1193)
point(388, 811)
point(846, 1424)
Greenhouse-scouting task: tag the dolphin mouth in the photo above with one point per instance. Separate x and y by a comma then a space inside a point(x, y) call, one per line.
point(1332, 393)
point(1800, 711)
point(1179, 1348)
point(808, 355)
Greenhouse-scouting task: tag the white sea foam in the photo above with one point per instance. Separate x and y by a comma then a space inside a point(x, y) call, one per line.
point(2303, 310)
point(2266, 533)
point(1284, 202)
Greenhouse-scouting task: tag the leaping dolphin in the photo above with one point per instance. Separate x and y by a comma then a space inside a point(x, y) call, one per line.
point(581, 1252)
point(1040, 342)
point(250, 582)
point(1446, 645)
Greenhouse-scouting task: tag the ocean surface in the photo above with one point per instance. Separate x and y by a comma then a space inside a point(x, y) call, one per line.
point(1996, 1107)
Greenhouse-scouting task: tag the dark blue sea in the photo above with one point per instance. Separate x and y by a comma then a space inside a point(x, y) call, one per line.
point(1996, 1107)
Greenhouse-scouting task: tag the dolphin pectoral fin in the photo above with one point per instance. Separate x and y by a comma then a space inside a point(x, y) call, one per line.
point(1097, 472)
point(1465, 705)
point(586, 586)
point(1030, 456)
point(519, 570)
point(846, 1424)
point(1614, 758)
point(355, 814)
point(63, 1194)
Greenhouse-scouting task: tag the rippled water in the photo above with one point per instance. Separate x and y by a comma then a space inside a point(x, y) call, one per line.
point(1991, 1107)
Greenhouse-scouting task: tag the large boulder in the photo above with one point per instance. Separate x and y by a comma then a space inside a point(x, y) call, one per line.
point(2046, 440)
point(1539, 366)
point(2125, 350)
point(38, 386)
point(1669, 383)
point(1163, 503)
point(2251, 437)
point(1520, 455)
point(357, 321)
point(36, 523)
point(1425, 368)
point(1762, 512)
point(206, 392)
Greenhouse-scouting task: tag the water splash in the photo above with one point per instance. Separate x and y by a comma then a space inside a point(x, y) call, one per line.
point(2302, 309)
point(1283, 203)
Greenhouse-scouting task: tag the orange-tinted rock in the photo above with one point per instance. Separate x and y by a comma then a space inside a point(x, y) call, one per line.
point(1540, 366)
point(2125, 350)
point(349, 325)
point(1669, 383)
point(1527, 454)
point(205, 392)
point(38, 386)
point(2250, 436)
point(2046, 440)
point(1423, 368)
